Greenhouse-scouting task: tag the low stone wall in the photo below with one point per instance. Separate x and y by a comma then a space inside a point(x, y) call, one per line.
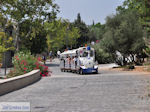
point(18, 82)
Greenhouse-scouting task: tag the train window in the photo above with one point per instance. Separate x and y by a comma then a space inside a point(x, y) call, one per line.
point(91, 53)
point(85, 54)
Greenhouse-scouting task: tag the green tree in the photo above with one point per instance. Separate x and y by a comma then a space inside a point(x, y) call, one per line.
point(3, 22)
point(5, 43)
point(73, 35)
point(55, 34)
point(61, 34)
point(96, 32)
point(143, 9)
point(83, 29)
point(36, 39)
point(124, 34)
point(21, 10)
point(101, 55)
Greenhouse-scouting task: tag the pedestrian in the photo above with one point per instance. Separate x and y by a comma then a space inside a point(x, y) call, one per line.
point(44, 59)
point(75, 61)
point(58, 54)
point(50, 56)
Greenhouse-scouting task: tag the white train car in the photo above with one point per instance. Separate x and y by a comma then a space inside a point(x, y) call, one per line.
point(81, 60)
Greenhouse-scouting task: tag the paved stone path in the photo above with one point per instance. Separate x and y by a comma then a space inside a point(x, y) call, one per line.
point(2, 71)
point(108, 91)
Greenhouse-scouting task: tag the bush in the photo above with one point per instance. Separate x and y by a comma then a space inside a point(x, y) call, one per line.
point(24, 62)
point(1, 55)
point(102, 56)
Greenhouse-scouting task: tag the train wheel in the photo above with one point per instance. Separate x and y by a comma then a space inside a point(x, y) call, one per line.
point(81, 72)
point(96, 71)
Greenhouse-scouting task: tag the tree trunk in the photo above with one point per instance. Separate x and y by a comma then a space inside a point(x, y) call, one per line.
point(17, 37)
point(133, 59)
point(124, 60)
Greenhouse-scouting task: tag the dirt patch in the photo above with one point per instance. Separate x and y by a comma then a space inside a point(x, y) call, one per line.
point(145, 69)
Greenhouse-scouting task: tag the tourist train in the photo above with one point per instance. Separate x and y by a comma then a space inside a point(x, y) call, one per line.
point(81, 60)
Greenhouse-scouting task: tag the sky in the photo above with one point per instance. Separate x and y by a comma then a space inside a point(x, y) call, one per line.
point(90, 10)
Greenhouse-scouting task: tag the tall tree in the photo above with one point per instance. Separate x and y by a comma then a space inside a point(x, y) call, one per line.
point(83, 29)
point(6, 44)
point(124, 34)
point(36, 41)
point(143, 8)
point(96, 32)
point(61, 33)
point(20, 10)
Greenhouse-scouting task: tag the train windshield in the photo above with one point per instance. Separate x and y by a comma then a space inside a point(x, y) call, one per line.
point(91, 53)
point(85, 54)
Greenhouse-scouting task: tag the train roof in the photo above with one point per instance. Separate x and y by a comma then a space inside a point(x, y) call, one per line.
point(72, 51)
point(69, 52)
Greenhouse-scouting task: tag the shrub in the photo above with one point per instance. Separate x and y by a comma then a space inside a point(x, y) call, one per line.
point(24, 62)
point(101, 55)
point(1, 57)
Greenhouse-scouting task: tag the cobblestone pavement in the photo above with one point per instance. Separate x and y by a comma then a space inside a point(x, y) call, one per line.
point(108, 91)
point(2, 71)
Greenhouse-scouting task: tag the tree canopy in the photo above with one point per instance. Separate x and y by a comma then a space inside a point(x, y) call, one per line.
point(19, 11)
point(5, 43)
point(61, 34)
point(124, 34)
point(142, 7)
point(83, 30)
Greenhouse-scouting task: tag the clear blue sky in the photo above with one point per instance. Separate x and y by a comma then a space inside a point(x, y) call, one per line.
point(90, 10)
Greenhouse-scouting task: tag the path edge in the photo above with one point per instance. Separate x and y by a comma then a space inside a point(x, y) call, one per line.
point(18, 82)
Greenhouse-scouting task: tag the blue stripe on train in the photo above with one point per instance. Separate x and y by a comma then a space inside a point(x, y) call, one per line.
point(89, 70)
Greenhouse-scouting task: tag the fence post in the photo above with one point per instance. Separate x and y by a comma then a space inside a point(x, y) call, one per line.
point(5, 62)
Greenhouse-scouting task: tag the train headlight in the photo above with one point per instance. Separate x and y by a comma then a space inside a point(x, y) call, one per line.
point(83, 67)
point(95, 67)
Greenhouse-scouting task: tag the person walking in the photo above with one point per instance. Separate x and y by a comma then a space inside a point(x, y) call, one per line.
point(50, 56)
point(58, 54)
point(44, 59)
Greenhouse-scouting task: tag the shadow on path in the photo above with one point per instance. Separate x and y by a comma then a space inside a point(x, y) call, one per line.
point(52, 65)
